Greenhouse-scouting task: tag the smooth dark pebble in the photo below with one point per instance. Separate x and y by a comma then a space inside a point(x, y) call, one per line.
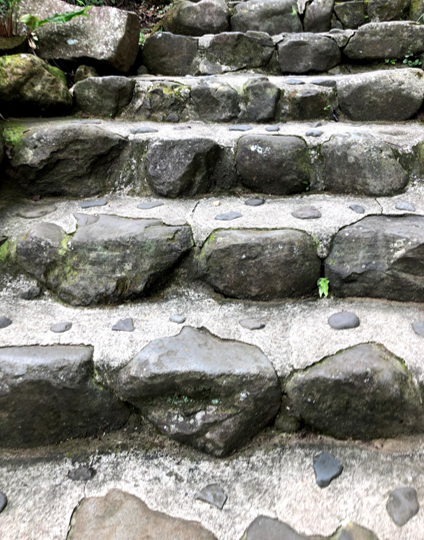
point(314, 133)
point(173, 118)
point(135, 131)
point(272, 128)
point(179, 319)
point(343, 320)
point(82, 474)
point(329, 83)
point(60, 327)
point(182, 128)
point(92, 204)
point(357, 208)
point(124, 325)
point(241, 127)
point(212, 494)
point(326, 468)
point(418, 328)
point(149, 205)
point(3, 502)
point(405, 206)
point(5, 322)
point(34, 212)
point(228, 216)
point(306, 212)
point(293, 81)
point(31, 293)
point(252, 324)
point(254, 202)
point(402, 505)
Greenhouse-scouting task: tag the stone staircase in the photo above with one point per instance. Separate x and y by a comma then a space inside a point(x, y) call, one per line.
point(166, 248)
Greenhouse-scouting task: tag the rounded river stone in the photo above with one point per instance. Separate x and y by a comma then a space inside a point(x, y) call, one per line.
point(61, 327)
point(314, 133)
point(402, 505)
point(241, 127)
point(179, 319)
point(306, 212)
point(254, 202)
point(82, 474)
point(343, 320)
point(418, 327)
point(5, 322)
point(326, 467)
point(408, 207)
point(252, 324)
point(228, 216)
point(124, 325)
point(357, 208)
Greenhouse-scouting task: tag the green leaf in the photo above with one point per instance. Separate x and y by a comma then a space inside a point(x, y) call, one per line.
point(323, 286)
point(34, 22)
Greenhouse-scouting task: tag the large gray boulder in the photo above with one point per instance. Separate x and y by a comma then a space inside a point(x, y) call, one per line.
point(65, 159)
point(382, 10)
point(108, 260)
point(260, 265)
point(318, 16)
point(416, 9)
point(157, 101)
point(260, 100)
point(159, 54)
point(388, 40)
point(198, 389)
point(361, 164)
point(103, 96)
point(30, 87)
point(306, 102)
point(350, 14)
point(364, 392)
point(121, 516)
point(393, 95)
point(197, 19)
point(108, 37)
point(271, 16)
point(181, 167)
point(214, 101)
point(302, 53)
point(380, 257)
point(276, 165)
point(48, 395)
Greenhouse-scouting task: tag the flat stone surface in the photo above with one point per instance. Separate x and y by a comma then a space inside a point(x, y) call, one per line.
point(418, 328)
point(228, 216)
point(3, 502)
point(61, 327)
point(326, 468)
point(35, 212)
point(254, 202)
point(252, 324)
point(408, 207)
point(93, 204)
point(31, 293)
point(343, 320)
point(306, 212)
point(212, 494)
point(293, 82)
point(357, 208)
point(240, 128)
point(178, 319)
point(139, 130)
point(82, 474)
point(314, 133)
point(124, 325)
point(272, 128)
point(402, 505)
point(5, 322)
point(150, 205)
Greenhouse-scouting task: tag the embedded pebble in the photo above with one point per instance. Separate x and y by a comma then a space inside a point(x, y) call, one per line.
point(124, 325)
point(272, 128)
point(181, 128)
point(31, 293)
point(82, 474)
point(293, 81)
point(92, 204)
point(314, 133)
point(343, 320)
point(306, 212)
point(402, 505)
point(3, 502)
point(254, 202)
point(241, 127)
point(179, 319)
point(405, 206)
point(173, 118)
point(149, 205)
point(318, 124)
point(60, 327)
point(357, 208)
point(329, 83)
point(418, 328)
point(212, 494)
point(5, 322)
point(228, 216)
point(326, 468)
point(135, 131)
point(252, 324)
point(33, 212)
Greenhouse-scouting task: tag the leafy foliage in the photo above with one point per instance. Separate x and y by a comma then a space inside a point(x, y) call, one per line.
point(323, 286)
point(34, 22)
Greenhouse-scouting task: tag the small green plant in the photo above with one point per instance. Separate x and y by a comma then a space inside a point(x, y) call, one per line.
point(323, 286)
point(142, 38)
point(307, 186)
point(390, 61)
point(410, 60)
point(327, 107)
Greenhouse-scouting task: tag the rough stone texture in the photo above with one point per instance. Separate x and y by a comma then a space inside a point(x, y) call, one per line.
point(402, 505)
point(108, 37)
point(302, 53)
point(260, 265)
point(182, 167)
point(198, 389)
point(358, 163)
point(47, 395)
point(378, 41)
point(416, 9)
point(108, 260)
point(343, 320)
point(393, 95)
point(13, 45)
point(261, 98)
point(306, 102)
point(350, 14)
point(30, 87)
point(326, 468)
point(380, 257)
point(65, 160)
point(197, 19)
point(364, 392)
point(212, 494)
point(382, 10)
point(318, 16)
point(84, 72)
point(158, 102)
point(271, 16)
point(103, 96)
point(121, 516)
point(276, 165)
point(159, 53)
point(214, 101)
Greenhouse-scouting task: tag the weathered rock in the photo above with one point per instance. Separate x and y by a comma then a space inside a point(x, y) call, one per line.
point(261, 98)
point(50, 394)
point(306, 102)
point(214, 101)
point(306, 212)
point(276, 165)
point(378, 41)
point(302, 53)
point(260, 265)
point(108, 37)
point(93, 204)
point(182, 167)
point(252, 324)
point(271, 16)
point(121, 516)
point(405, 206)
point(381, 10)
point(36, 210)
point(108, 260)
point(149, 205)
point(61, 327)
point(64, 159)
point(84, 72)
point(343, 320)
point(158, 101)
point(104, 96)
point(350, 14)
point(177, 319)
point(364, 392)
point(82, 474)
point(178, 384)
point(392, 95)
point(380, 257)
point(318, 16)
point(159, 53)
point(197, 19)
point(357, 208)
point(416, 9)
point(326, 468)
point(212, 494)
point(124, 325)
point(13, 45)
point(5, 322)
point(30, 87)
point(361, 164)
point(402, 505)
point(228, 216)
